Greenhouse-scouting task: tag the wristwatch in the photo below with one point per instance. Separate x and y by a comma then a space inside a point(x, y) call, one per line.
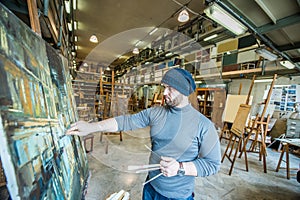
point(181, 170)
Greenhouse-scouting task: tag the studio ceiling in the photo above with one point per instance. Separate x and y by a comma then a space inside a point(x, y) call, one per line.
point(120, 24)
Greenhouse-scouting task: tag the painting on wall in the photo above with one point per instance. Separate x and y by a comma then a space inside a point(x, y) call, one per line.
point(36, 108)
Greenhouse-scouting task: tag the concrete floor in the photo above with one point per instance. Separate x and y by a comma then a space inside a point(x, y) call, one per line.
point(109, 173)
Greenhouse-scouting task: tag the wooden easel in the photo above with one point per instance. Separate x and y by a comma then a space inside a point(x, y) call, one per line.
point(113, 99)
point(225, 130)
point(260, 129)
point(236, 138)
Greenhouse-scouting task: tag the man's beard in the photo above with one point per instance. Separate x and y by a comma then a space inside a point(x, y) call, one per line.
point(175, 101)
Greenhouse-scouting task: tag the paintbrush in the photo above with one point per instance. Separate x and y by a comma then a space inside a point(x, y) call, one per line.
point(138, 167)
point(155, 177)
point(152, 151)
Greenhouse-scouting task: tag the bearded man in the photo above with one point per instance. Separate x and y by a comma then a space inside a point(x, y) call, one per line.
point(184, 142)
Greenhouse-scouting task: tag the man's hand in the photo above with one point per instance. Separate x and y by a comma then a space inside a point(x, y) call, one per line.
point(169, 166)
point(82, 128)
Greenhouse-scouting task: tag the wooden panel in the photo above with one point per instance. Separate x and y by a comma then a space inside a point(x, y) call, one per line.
point(229, 68)
point(190, 57)
point(229, 59)
point(232, 105)
point(240, 119)
point(246, 41)
point(210, 103)
point(34, 16)
point(228, 46)
point(218, 107)
point(247, 56)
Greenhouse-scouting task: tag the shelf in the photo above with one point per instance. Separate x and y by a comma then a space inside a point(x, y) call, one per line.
point(237, 72)
point(210, 103)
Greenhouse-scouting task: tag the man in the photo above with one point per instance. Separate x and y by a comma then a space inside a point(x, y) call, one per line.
point(184, 142)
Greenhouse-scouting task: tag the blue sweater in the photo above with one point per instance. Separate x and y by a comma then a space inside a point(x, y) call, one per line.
point(181, 133)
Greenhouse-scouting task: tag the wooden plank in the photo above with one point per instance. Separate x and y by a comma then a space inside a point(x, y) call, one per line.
point(228, 46)
point(218, 107)
point(240, 120)
point(250, 89)
point(240, 88)
point(232, 105)
point(269, 96)
point(237, 72)
point(34, 17)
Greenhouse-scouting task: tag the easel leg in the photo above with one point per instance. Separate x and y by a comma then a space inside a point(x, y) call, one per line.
point(285, 150)
point(287, 161)
point(280, 159)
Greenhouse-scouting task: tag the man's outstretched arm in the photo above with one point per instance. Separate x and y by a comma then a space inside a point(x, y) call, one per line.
point(82, 128)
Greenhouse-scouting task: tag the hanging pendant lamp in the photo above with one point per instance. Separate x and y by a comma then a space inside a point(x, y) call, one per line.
point(183, 16)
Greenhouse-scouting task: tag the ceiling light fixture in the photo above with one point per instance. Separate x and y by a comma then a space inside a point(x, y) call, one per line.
point(75, 25)
point(94, 39)
point(67, 6)
point(169, 54)
point(74, 4)
point(266, 54)
point(183, 16)
point(287, 64)
point(153, 31)
point(76, 38)
point(219, 15)
point(135, 51)
point(70, 26)
point(138, 43)
point(210, 37)
point(263, 80)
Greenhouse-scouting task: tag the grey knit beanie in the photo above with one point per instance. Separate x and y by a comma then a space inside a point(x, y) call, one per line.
point(181, 80)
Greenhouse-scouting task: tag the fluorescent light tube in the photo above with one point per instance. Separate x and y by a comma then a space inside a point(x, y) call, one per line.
point(263, 81)
point(67, 6)
point(210, 37)
point(169, 54)
point(75, 25)
point(138, 43)
point(153, 31)
point(218, 14)
point(266, 54)
point(70, 26)
point(74, 5)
